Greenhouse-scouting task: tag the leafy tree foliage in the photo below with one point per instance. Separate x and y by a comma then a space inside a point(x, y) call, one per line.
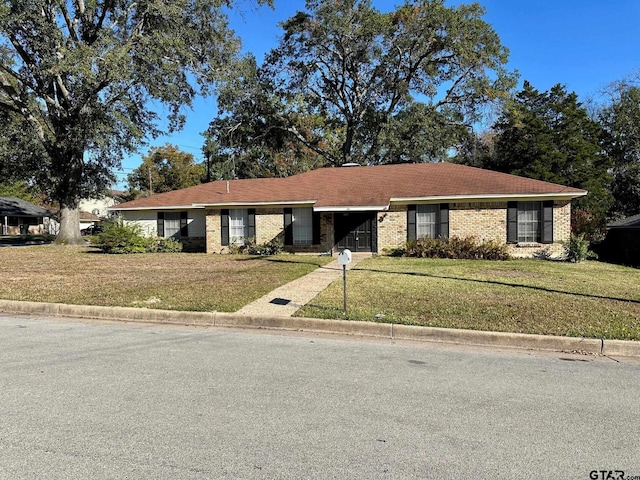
point(549, 136)
point(165, 169)
point(620, 120)
point(19, 190)
point(80, 77)
point(251, 138)
point(348, 83)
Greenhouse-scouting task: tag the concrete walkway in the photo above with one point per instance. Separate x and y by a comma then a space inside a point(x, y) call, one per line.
point(286, 300)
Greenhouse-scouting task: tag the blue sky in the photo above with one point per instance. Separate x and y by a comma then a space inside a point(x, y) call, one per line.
point(582, 44)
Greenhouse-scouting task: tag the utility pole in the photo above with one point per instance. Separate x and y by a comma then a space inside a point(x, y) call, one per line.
point(150, 184)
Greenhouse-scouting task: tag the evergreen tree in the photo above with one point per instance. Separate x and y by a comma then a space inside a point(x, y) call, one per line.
point(550, 136)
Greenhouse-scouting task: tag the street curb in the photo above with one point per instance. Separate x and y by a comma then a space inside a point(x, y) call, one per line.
point(345, 327)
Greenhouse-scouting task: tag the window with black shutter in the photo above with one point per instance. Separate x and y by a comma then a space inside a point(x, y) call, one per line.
point(288, 226)
point(224, 227)
point(184, 224)
point(411, 222)
point(530, 222)
point(160, 226)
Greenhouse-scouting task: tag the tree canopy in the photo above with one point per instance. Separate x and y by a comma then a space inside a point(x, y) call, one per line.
point(79, 77)
point(165, 169)
point(348, 83)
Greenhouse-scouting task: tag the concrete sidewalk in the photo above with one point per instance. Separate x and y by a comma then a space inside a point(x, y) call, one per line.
point(286, 300)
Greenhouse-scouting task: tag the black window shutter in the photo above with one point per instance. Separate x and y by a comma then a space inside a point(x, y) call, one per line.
point(160, 228)
point(411, 222)
point(251, 227)
point(374, 233)
point(184, 228)
point(224, 227)
point(317, 239)
point(512, 222)
point(443, 224)
point(547, 221)
point(288, 226)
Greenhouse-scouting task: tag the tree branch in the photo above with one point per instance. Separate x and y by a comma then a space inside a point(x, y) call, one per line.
point(67, 19)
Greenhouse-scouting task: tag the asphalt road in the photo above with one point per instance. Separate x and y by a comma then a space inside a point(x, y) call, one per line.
point(105, 401)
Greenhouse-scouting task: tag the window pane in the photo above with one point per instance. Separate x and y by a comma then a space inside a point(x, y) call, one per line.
point(427, 221)
point(172, 224)
point(238, 222)
point(302, 226)
point(528, 222)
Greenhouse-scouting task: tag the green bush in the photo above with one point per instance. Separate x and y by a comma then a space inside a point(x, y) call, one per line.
point(458, 248)
point(250, 247)
point(577, 249)
point(168, 245)
point(118, 237)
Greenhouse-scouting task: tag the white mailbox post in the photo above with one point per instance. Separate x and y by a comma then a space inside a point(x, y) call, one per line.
point(344, 259)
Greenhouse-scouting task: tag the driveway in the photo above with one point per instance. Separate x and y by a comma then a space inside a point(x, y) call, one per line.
point(99, 400)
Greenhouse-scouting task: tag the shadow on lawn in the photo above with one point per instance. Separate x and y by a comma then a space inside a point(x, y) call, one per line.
point(505, 284)
point(282, 260)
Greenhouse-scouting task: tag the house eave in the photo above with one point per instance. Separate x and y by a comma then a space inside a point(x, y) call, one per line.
point(357, 208)
point(117, 208)
point(282, 204)
point(523, 197)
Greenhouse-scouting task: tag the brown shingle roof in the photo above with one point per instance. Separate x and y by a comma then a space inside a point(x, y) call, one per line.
point(352, 187)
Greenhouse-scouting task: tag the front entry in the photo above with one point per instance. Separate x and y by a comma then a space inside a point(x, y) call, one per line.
point(356, 231)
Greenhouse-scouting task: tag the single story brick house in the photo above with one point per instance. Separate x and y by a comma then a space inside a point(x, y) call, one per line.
point(365, 209)
point(19, 217)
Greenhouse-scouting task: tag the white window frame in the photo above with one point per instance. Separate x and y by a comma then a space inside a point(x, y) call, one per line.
point(172, 225)
point(529, 222)
point(238, 225)
point(302, 221)
point(427, 220)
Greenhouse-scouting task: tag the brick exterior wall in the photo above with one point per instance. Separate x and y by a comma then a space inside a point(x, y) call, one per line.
point(485, 221)
point(392, 227)
point(269, 226)
point(214, 232)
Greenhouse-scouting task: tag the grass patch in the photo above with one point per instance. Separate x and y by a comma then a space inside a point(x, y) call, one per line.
point(26, 239)
point(589, 299)
point(191, 282)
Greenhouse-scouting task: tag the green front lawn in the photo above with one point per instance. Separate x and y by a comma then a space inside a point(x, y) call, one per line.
point(196, 282)
point(590, 299)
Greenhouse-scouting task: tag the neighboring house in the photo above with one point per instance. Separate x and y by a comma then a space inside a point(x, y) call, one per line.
point(365, 209)
point(20, 217)
point(622, 242)
point(94, 210)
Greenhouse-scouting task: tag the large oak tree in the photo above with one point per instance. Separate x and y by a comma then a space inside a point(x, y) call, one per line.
point(349, 83)
point(82, 77)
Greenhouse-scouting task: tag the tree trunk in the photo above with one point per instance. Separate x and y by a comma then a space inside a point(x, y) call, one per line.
point(69, 233)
